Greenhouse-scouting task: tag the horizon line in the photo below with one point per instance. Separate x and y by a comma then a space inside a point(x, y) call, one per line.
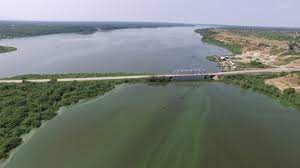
point(137, 21)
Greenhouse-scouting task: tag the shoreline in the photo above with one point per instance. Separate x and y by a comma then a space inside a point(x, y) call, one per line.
point(80, 27)
point(89, 101)
point(26, 137)
point(257, 83)
point(72, 97)
point(6, 49)
point(253, 48)
point(287, 96)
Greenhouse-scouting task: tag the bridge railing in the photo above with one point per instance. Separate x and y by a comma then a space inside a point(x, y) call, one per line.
point(188, 72)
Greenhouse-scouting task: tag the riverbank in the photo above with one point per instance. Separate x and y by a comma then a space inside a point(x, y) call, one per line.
point(258, 83)
point(255, 47)
point(28, 105)
point(123, 130)
point(258, 49)
point(27, 136)
point(25, 106)
point(286, 81)
point(74, 75)
point(70, 93)
point(4, 49)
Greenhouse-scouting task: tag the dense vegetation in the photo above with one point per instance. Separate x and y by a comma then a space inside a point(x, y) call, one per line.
point(23, 107)
point(288, 60)
point(12, 31)
point(252, 64)
point(72, 75)
point(297, 39)
point(159, 79)
point(267, 34)
point(211, 58)
point(4, 49)
point(256, 83)
point(208, 37)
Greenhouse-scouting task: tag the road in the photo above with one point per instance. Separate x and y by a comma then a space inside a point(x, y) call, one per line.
point(256, 71)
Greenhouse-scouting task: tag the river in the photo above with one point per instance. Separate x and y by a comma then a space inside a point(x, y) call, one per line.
point(181, 124)
point(128, 50)
point(195, 124)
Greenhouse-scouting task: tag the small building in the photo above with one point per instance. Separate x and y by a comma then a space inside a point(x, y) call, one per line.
point(297, 48)
point(222, 58)
point(293, 46)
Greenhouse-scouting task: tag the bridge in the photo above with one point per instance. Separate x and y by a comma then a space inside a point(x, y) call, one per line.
point(187, 73)
point(178, 73)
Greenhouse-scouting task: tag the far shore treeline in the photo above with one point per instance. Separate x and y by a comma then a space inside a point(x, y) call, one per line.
point(13, 29)
point(25, 106)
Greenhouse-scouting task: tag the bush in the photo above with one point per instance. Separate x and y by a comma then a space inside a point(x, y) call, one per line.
point(256, 83)
point(208, 37)
point(12, 143)
point(159, 79)
point(24, 106)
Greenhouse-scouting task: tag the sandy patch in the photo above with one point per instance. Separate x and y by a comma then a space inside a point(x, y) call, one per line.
point(256, 48)
point(295, 63)
point(289, 81)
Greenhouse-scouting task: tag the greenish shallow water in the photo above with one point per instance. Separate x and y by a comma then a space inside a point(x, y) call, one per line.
point(180, 125)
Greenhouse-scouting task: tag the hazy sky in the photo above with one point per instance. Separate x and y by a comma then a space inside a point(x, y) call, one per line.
point(242, 12)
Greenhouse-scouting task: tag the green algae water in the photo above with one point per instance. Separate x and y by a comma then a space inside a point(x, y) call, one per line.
point(178, 125)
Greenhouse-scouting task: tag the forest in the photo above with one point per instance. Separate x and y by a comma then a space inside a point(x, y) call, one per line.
point(13, 29)
point(25, 106)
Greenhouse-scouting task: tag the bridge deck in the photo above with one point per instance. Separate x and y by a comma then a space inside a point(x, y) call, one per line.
point(257, 71)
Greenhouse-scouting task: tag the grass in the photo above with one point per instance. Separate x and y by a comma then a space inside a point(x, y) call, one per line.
point(73, 75)
point(287, 60)
point(275, 50)
point(291, 53)
point(297, 39)
point(267, 33)
point(252, 64)
point(257, 83)
point(212, 58)
point(4, 49)
point(208, 37)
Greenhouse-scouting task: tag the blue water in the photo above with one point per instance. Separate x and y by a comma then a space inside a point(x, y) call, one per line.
point(129, 50)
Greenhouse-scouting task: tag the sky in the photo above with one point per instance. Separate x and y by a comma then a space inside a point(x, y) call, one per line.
point(280, 13)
